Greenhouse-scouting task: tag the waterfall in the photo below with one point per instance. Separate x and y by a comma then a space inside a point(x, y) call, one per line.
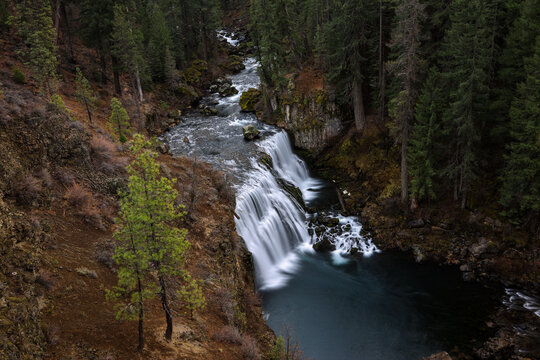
point(270, 222)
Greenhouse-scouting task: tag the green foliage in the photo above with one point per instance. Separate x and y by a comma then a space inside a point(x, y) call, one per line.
point(33, 20)
point(159, 43)
point(468, 59)
point(18, 76)
point(119, 120)
point(520, 193)
point(127, 44)
point(149, 242)
point(57, 101)
point(3, 12)
point(425, 137)
point(277, 351)
point(350, 43)
point(192, 296)
point(84, 93)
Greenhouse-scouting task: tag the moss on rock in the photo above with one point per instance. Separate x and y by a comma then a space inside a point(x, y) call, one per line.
point(249, 99)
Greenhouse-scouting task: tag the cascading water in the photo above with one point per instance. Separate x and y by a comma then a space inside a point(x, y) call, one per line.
point(379, 307)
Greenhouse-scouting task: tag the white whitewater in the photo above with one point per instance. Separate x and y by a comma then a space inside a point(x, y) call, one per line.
point(273, 224)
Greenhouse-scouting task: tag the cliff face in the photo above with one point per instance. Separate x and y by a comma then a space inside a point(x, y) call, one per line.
point(312, 117)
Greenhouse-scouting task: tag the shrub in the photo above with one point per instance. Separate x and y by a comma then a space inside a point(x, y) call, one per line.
point(52, 334)
point(18, 76)
point(104, 254)
point(45, 176)
point(229, 334)
point(78, 196)
point(249, 348)
point(92, 216)
point(102, 148)
point(45, 279)
point(27, 189)
point(66, 177)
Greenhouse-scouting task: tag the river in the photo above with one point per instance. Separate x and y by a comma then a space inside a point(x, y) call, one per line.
point(371, 306)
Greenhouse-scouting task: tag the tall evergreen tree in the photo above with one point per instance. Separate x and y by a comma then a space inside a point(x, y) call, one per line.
point(407, 67)
point(84, 93)
point(157, 213)
point(33, 20)
point(520, 193)
point(128, 44)
point(97, 17)
point(467, 63)
point(425, 143)
point(119, 120)
point(350, 41)
point(159, 43)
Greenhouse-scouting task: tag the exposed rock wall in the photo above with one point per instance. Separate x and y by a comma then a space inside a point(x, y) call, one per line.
point(313, 118)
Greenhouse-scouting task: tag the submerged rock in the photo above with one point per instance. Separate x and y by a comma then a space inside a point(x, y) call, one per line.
point(250, 132)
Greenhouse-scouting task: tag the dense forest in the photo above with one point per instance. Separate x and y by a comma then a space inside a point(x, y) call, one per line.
point(454, 83)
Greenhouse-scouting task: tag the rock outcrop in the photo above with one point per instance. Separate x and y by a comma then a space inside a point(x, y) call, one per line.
point(312, 118)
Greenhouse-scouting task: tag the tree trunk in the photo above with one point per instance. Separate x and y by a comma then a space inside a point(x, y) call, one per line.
point(103, 63)
point(139, 86)
point(116, 76)
point(88, 110)
point(141, 316)
point(57, 20)
point(165, 305)
point(404, 164)
point(358, 102)
point(68, 42)
point(382, 82)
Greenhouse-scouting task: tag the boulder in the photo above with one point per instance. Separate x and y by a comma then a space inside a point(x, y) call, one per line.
point(163, 148)
point(439, 356)
point(416, 224)
point(207, 110)
point(249, 99)
point(324, 245)
point(480, 247)
point(250, 132)
point(226, 90)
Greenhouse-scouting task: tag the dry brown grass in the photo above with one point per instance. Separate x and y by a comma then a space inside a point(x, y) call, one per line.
point(78, 196)
point(105, 155)
point(27, 189)
point(229, 334)
point(250, 348)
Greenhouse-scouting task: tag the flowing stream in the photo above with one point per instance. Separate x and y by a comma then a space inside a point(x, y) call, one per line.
point(371, 306)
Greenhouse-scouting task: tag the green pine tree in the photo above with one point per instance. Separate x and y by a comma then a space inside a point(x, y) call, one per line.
point(467, 67)
point(84, 93)
point(192, 295)
point(425, 139)
point(128, 45)
point(520, 193)
point(407, 67)
point(135, 283)
point(33, 20)
point(159, 43)
point(119, 120)
point(350, 46)
point(157, 213)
